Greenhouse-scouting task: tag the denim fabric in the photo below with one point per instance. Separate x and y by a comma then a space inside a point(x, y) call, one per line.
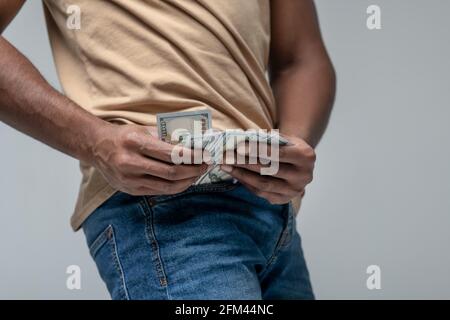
point(217, 241)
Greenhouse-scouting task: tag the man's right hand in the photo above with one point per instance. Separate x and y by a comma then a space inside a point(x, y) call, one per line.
point(133, 160)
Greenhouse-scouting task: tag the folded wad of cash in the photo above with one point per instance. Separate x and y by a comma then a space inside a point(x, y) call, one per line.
point(193, 129)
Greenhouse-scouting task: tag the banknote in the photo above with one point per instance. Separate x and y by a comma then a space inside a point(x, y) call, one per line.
point(193, 129)
point(186, 125)
point(190, 121)
point(217, 143)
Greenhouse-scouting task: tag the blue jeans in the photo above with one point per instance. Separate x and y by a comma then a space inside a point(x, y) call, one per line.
point(216, 241)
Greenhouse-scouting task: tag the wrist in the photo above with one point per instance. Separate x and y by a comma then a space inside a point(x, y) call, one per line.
point(92, 137)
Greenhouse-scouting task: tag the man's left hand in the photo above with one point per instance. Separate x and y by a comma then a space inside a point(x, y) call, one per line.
point(296, 166)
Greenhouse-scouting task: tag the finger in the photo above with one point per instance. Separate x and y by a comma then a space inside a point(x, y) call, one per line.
point(254, 150)
point(182, 155)
point(142, 165)
point(293, 153)
point(283, 171)
point(251, 167)
point(296, 178)
point(147, 144)
point(171, 154)
point(298, 154)
point(262, 183)
point(273, 198)
point(234, 157)
point(178, 172)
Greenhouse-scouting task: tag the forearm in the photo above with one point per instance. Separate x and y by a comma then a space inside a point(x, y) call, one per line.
point(304, 93)
point(29, 104)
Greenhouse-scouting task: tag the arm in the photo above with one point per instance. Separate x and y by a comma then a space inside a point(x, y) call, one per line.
point(8, 10)
point(301, 73)
point(130, 157)
point(29, 104)
point(303, 83)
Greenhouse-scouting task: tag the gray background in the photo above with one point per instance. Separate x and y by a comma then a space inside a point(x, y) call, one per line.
point(381, 192)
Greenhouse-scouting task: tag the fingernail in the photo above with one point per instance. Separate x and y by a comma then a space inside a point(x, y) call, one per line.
point(226, 168)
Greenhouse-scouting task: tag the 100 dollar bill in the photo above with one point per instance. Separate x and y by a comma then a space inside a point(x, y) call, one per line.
point(191, 121)
point(193, 129)
point(194, 123)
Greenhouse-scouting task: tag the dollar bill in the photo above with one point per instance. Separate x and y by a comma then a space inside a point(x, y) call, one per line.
point(193, 129)
point(190, 121)
point(187, 125)
point(216, 143)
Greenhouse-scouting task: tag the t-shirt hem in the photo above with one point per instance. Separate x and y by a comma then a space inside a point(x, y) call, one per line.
point(97, 200)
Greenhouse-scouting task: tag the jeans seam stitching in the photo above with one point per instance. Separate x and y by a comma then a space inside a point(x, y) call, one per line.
point(98, 242)
point(154, 246)
point(117, 264)
point(281, 243)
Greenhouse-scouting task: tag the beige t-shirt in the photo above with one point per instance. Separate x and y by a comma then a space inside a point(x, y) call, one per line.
point(132, 59)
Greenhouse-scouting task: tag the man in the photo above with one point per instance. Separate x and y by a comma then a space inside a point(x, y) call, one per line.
point(152, 234)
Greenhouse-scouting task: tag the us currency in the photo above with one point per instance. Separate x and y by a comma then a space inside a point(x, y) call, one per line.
point(193, 130)
point(216, 143)
point(191, 124)
point(190, 121)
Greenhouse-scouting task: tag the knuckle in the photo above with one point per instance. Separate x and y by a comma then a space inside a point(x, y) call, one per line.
point(265, 184)
point(131, 138)
point(309, 177)
point(122, 160)
point(171, 173)
point(309, 153)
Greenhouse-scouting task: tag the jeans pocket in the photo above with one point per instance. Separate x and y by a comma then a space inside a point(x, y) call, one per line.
point(284, 238)
point(104, 252)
